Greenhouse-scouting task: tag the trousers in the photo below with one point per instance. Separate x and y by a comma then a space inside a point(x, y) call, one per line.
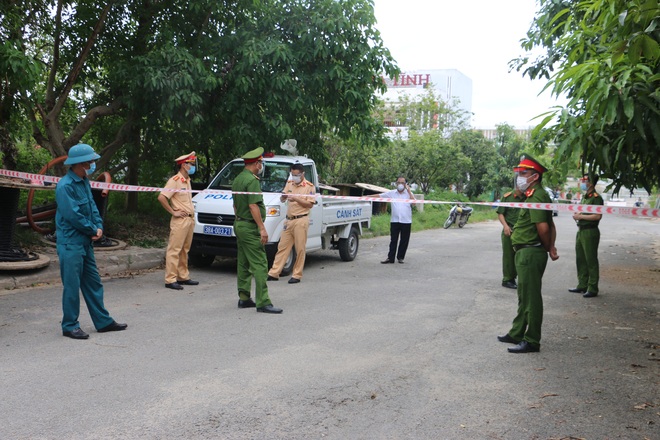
point(79, 273)
point(586, 258)
point(251, 263)
point(294, 235)
point(176, 256)
point(508, 259)
point(530, 265)
point(397, 229)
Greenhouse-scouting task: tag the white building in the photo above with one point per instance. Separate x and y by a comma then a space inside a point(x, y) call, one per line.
point(450, 85)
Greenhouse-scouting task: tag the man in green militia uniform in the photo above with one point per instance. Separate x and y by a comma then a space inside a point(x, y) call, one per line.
point(508, 217)
point(251, 235)
point(587, 240)
point(533, 239)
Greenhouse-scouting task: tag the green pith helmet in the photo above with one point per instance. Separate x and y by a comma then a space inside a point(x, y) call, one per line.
point(81, 153)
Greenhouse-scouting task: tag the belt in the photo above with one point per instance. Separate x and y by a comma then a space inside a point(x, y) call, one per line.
point(251, 220)
point(517, 247)
point(592, 226)
point(293, 217)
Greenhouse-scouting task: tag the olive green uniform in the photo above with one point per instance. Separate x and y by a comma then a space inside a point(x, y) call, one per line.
point(510, 216)
point(252, 261)
point(531, 259)
point(586, 248)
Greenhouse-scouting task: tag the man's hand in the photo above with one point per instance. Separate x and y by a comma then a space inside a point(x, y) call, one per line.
point(554, 256)
point(507, 231)
point(264, 235)
point(99, 234)
point(180, 214)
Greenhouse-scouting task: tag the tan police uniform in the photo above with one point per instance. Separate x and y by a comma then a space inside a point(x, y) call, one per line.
point(295, 229)
point(181, 228)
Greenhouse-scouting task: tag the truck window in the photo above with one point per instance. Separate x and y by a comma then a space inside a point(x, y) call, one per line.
point(273, 180)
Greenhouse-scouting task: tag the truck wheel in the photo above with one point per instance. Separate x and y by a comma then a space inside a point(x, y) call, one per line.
point(348, 247)
point(201, 260)
point(448, 222)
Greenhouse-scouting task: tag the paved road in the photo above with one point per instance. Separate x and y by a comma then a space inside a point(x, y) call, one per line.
point(362, 351)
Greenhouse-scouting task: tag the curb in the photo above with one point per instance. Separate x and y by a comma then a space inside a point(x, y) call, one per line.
point(110, 263)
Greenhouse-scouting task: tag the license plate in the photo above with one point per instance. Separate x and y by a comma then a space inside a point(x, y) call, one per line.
point(224, 231)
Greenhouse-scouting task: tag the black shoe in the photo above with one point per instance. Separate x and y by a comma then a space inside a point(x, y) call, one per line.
point(271, 278)
point(175, 286)
point(590, 294)
point(388, 261)
point(188, 283)
point(76, 334)
point(293, 280)
point(246, 303)
point(524, 347)
point(510, 284)
point(114, 327)
point(400, 260)
point(578, 290)
point(507, 339)
point(269, 309)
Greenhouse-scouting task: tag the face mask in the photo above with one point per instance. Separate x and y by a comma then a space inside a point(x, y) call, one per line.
point(521, 182)
point(400, 187)
point(92, 168)
point(583, 186)
point(296, 179)
point(192, 169)
point(260, 171)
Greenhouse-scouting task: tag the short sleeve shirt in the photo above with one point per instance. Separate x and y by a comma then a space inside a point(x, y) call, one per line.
point(510, 214)
point(401, 211)
point(590, 199)
point(180, 200)
point(306, 188)
point(247, 182)
point(524, 231)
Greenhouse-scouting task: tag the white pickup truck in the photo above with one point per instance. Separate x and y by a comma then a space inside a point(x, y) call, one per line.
point(333, 223)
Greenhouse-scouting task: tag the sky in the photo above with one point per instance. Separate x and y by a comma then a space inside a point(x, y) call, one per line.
point(477, 38)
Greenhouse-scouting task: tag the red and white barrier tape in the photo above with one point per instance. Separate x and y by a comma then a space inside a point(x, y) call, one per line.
point(593, 209)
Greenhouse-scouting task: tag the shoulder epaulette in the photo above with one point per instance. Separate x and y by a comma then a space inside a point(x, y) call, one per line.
point(256, 177)
point(507, 194)
point(529, 192)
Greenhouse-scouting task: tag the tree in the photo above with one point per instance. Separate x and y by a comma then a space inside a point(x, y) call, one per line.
point(430, 160)
point(604, 57)
point(147, 80)
point(483, 161)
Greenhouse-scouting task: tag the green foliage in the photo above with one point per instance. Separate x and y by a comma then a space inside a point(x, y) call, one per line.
point(606, 59)
point(144, 82)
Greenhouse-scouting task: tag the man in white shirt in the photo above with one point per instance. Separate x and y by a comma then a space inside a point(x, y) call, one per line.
point(401, 220)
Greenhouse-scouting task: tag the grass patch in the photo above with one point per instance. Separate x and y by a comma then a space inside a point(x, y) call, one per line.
point(433, 217)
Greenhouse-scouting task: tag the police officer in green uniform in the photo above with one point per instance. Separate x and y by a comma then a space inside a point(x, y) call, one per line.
point(251, 235)
point(533, 239)
point(508, 216)
point(587, 240)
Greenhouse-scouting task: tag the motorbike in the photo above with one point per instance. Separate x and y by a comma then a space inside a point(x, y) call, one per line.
point(459, 213)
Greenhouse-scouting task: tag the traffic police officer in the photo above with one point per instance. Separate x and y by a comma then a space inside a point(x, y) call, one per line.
point(508, 216)
point(251, 234)
point(587, 240)
point(533, 239)
point(179, 205)
point(300, 195)
point(79, 224)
